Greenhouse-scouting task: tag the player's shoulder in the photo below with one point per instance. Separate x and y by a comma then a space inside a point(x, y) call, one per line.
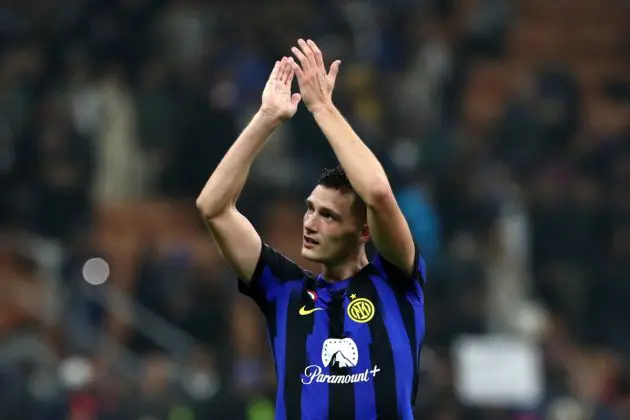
point(395, 275)
point(279, 265)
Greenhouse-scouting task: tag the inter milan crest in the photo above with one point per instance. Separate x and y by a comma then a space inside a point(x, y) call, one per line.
point(360, 310)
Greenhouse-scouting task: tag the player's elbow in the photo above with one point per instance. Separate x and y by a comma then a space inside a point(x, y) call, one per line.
point(209, 208)
point(203, 207)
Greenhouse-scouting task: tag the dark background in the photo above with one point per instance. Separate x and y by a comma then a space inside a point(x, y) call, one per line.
point(504, 127)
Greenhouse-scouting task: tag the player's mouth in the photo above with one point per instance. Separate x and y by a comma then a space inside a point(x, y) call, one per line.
point(309, 242)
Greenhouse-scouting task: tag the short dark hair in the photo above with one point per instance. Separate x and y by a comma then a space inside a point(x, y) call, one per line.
point(336, 179)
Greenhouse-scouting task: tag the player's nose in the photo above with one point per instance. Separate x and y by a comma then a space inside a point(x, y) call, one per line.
point(310, 226)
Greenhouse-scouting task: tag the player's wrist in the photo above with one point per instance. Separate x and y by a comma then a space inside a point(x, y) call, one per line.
point(322, 108)
point(269, 117)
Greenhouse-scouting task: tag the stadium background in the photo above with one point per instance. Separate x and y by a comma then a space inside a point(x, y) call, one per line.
point(504, 126)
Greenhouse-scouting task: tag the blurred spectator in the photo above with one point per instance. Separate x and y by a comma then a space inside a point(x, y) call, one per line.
point(415, 202)
point(56, 166)
point(159, 397)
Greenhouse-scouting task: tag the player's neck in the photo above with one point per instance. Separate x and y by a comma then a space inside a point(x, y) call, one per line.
point(345, 270)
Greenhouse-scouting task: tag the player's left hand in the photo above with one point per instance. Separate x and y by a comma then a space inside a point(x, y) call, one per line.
point(316, 85)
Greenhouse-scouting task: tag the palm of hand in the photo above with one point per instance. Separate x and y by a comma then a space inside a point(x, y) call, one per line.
point(276, 97)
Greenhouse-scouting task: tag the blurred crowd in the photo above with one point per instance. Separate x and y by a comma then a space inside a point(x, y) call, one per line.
point(114, 113)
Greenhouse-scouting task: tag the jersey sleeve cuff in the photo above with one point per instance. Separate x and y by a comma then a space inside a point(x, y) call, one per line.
point(418, 273)
point(253, 287)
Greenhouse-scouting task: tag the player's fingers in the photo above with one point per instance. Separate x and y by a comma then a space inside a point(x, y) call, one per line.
point(288, 75)
point(308, 52)
point(296, 69)
point(295, 98)
point(274, 72)
point(282, 69)
point(289, 71)
point(319, 60)
point(334, 70)
point(300, 56)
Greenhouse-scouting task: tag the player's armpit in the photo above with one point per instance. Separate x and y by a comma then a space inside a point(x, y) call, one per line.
point(391, 234)
point(237, 240)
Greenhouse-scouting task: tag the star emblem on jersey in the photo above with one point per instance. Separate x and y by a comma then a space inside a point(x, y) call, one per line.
point(360, 310)
point(340, 353)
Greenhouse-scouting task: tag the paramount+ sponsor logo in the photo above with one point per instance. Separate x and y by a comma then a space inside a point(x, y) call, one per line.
point(341, 353)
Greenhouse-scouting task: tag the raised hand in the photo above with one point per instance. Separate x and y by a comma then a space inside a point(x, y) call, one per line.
point(277, 101)
point(315, 84)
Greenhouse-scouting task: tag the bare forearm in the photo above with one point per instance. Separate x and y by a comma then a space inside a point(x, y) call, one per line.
point(228, 179)
point(365, 172)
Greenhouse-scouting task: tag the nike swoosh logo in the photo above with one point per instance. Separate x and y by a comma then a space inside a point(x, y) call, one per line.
point(304, 311)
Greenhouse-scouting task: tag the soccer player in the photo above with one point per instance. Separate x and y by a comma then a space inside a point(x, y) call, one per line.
point(346, 342)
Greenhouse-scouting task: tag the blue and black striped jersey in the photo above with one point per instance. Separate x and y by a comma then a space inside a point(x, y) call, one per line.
point(343, 350)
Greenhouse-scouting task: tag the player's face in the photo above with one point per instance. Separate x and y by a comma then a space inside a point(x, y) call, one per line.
point(333, 232)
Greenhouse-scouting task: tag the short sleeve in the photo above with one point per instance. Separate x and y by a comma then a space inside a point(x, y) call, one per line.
point(272, 271)
point(400, 277)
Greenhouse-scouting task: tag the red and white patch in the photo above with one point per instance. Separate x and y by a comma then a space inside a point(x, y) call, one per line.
point(313, 295)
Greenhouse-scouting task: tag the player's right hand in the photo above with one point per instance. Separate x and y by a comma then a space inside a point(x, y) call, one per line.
point(277, 100)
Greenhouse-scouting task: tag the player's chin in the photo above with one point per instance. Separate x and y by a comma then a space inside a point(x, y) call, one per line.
point(311, 254)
